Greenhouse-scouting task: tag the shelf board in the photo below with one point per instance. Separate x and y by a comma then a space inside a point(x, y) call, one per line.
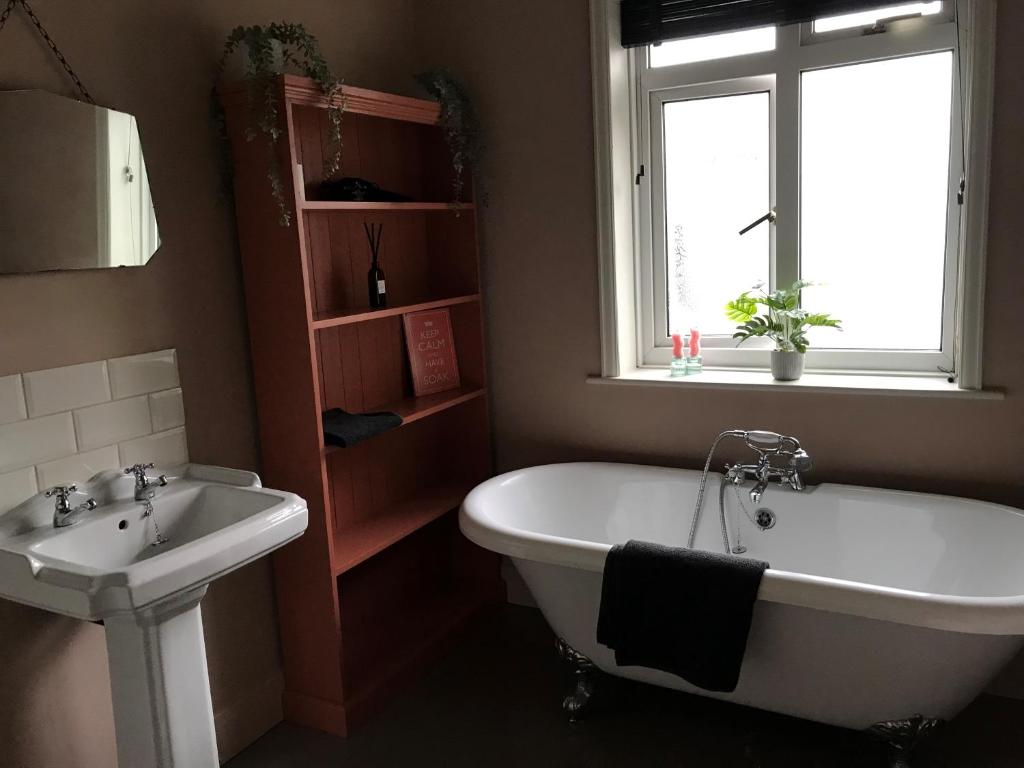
point(415, 408)
point(364, 314)
point(360, 541)
point(348, 205)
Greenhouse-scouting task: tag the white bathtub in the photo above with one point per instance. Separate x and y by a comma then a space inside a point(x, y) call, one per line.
point(878, 605)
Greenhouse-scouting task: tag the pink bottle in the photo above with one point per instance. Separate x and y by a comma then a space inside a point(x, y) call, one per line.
point(694, 360)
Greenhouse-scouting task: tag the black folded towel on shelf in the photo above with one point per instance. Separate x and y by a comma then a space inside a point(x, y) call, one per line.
point(683, 611)
point(343, 429)
point(353, 189)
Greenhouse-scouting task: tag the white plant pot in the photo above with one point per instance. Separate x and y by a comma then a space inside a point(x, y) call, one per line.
point(787, 366)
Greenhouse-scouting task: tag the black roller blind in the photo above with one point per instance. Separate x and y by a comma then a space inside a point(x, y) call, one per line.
point(651, 21)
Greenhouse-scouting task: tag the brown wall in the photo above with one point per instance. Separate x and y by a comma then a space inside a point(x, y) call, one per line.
point(528, 66)
point(156, 60)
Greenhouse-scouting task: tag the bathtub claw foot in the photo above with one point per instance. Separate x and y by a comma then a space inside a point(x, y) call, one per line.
point(904, 737)
point(584, 673)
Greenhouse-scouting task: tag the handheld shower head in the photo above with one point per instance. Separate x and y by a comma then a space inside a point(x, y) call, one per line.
point(763, 440)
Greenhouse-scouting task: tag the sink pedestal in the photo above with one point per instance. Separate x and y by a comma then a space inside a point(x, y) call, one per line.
point(160, 687)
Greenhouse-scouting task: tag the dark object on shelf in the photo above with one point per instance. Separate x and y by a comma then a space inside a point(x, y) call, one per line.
point(345, 429)
point(684, 611)
point(375, 277)
point(352, 189)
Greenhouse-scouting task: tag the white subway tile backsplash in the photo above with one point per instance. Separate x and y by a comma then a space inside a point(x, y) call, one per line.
point(77, 468)
point(167, 410)
point(110, 423)
point(165, 449)
point(23, 443)
point(12, 399)
point(138, 374)
point(15, 487)
point(63, 389)
point(64, 425)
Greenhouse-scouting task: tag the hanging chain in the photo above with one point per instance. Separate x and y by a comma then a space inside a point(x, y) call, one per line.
point(86, 96)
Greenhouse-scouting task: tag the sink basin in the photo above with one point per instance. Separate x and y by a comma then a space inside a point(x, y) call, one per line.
point(214, 520)
point(184, 517)
point(142, 568)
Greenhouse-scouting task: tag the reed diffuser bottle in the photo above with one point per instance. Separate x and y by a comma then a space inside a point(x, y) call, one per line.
point(375, 277)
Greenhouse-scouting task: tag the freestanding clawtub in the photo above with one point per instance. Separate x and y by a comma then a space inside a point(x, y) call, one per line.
point(879, 605)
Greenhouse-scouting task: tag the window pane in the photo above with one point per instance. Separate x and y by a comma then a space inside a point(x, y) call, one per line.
point(869, 18)
point(708, 47)
point(716, 182)
point(874, 188)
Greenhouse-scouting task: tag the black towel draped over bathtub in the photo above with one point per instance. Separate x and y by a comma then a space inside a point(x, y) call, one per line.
point(683, 611)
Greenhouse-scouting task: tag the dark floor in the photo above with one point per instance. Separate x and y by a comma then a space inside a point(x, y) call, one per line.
point(494, 702)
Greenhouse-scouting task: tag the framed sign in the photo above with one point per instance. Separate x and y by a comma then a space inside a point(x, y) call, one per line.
point(428, 336)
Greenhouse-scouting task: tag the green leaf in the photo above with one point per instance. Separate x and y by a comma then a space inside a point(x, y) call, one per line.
point(822, 320)
point(742, 309)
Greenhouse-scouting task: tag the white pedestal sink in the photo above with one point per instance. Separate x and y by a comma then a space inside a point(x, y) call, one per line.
point(106, 567)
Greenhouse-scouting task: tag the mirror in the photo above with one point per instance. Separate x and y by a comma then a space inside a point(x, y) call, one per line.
point(74, 193)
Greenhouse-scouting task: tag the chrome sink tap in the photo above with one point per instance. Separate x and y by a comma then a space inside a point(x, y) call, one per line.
point(790, 461)
point(63, 513)
point(144, 490)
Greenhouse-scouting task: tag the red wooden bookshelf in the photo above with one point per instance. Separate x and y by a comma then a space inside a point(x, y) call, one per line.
point(382, 579)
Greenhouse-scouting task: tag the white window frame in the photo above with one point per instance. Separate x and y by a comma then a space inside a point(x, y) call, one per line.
point(651, 229)
point(797, 50)
point(629, 340)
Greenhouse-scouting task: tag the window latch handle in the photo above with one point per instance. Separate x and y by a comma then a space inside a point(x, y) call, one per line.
point(770, 216)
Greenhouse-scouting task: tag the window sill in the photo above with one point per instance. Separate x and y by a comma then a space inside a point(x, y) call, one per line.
point(837, 383)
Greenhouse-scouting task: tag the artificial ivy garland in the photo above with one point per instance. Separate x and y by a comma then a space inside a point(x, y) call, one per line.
point(458, 120)
point(299, 49)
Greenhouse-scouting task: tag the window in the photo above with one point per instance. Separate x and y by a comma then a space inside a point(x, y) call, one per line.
point(722, 141)
point(872, 18)
point(848, 131)
point(713, 47)
point(873, 231)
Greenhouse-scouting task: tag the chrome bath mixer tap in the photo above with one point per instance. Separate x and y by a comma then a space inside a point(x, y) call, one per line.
point(779, 457)
point(790, 461)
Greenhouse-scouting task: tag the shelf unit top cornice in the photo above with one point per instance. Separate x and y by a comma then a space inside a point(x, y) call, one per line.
point(303, 91)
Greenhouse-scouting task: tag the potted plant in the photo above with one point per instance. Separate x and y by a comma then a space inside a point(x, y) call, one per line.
point(783, 321)
point(268, 51)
